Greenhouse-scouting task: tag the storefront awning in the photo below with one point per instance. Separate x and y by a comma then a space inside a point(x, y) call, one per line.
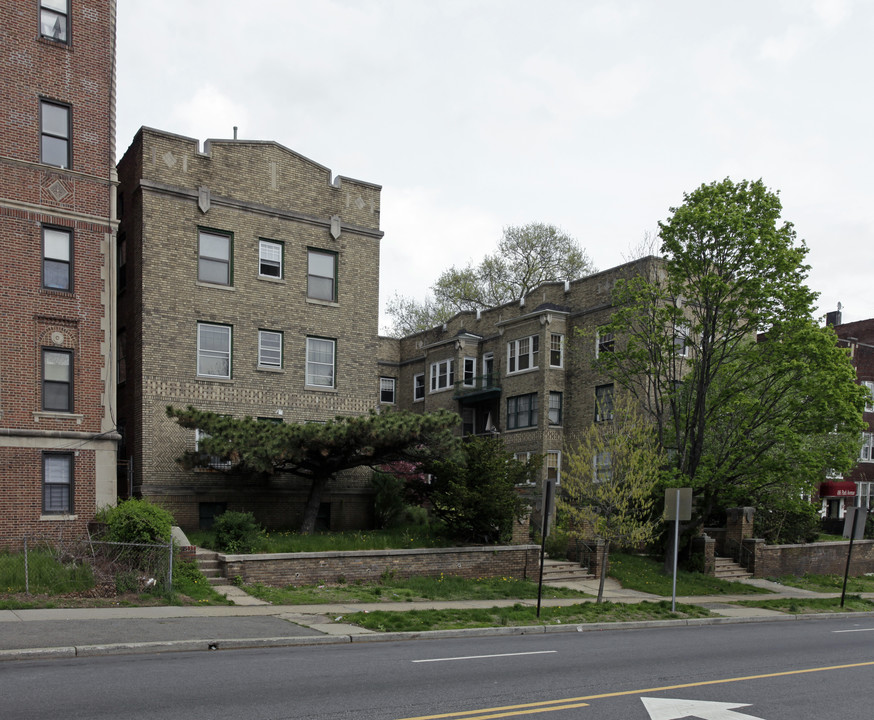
point(837, 488)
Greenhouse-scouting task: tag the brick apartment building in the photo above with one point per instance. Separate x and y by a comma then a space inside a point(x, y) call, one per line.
point(522, 370)
point(57, 229)
point(248, 285)
point(856, 488)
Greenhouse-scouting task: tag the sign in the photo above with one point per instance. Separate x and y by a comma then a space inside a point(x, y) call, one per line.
point(685, 504)
point(837, 488)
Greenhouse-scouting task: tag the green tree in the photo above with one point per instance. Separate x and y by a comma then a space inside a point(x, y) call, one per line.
point(610, 478)
point(318, 451)
point(527, 256)
point(475, 495)
point(718, 344)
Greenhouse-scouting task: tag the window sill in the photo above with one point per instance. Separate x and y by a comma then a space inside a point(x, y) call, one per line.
point(522, 372)
point(441, 390)
point(48, 415)
point(210, 378)
point(320, 388)
point(269, 369)
point(521, 429)
point(325, 303)
point(274, 280)
point(64, 517)
point(57, 292)
point(421, 399)
point(214, 286)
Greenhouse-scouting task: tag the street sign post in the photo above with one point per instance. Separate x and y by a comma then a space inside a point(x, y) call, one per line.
point(678, 506)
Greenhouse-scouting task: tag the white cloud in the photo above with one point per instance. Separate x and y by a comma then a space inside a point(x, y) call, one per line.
point(209, 113)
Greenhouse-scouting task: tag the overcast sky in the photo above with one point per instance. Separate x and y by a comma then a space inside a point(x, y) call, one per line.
point(477, 114)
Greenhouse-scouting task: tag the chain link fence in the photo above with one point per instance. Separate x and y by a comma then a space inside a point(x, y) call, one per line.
point(115, 568)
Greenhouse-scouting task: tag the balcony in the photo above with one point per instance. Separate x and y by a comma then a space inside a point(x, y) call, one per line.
point(480, 387)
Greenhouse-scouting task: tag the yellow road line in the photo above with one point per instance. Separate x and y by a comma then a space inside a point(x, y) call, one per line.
point(564, 704)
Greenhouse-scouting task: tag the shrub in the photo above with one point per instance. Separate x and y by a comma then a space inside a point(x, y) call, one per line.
point(138, 521)
point(556, 545)
point(388, 501)
point(237, 532)
point(794, 524)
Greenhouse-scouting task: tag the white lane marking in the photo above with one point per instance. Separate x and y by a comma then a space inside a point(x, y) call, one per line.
point(856, 630)
point(480, 657)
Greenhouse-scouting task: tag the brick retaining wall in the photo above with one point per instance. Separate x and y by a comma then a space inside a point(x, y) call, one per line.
point(828, 558)
point(281, 569)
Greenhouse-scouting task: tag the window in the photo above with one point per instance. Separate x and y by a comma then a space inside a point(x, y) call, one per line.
point(555, 408)
point(469, 372)
point(419, 386)
point(681, 341)
point(522, 457)
point(320, 362)
point(214, 461)
point(54, 19)
point(556, 350)
point(604, 342)
point(214, 258)
point(468, 421)
point(54, 146)
point(57, 253)
point(214, 350)
point(57, 483)
point(57, 380)
point(387, 390)
point(270, 259)
point(603, 403)
point(321, 275)
point(522, 354)
point(553, 466)
point(121, 244)
point(442, 375)
point(866, 454)
point(869, 402)
point(270, 348)
point(121, 353)
point(602, 467)
point(522, 411)
point(488, 370)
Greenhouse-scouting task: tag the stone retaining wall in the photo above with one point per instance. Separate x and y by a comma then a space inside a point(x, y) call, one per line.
point(281, 569)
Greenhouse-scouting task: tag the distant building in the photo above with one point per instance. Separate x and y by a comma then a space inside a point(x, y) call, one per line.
point(248, 285)
point(57, 240)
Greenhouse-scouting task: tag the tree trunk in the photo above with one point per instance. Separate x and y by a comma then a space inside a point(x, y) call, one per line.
point(604, 555)
point(311, 511)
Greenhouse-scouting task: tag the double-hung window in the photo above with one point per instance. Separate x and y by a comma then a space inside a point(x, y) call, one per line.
point(269, 348)
point(604, 342)
point(523, 354)
point(57, 483)
point(681, 340)
point(556, 350)
point(214, 350)
point(469, 372)
point(553, 466)
point(215, 250)
point(555, 402)
point(604, 403)
point(321, 360)
point(387, 390)
point(54, 147)
point(57, 257)
point(869, 401)
point(54, 20)
point(419, 386)
point(57, 380)
point(442, 375)
point(321, 275)
point(602, 466)
point(866, 454)
point(522, 411)
point(270, 259)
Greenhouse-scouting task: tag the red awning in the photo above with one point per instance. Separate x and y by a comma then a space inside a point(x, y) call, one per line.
point(837, 488)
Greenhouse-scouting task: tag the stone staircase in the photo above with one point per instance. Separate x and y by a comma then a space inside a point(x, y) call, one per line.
point(561, 571)
point(728, 569)
point(207, 561)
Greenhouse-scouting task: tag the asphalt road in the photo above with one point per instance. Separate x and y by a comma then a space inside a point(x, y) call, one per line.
point(770, 671)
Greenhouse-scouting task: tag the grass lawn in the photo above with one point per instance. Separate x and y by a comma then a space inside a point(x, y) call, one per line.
point(636, 572)
point(828, 583)
point(421, 620)
point(798, 606)
point(409, 590)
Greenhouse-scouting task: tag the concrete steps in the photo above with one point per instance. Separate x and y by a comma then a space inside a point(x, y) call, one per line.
point(209, 565)
point(728, 569)
point(562, 571)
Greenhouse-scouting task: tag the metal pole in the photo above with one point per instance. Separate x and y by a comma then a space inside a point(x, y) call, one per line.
point(26, 573)
point(547, 502)
point(849, 553)
point(170, 566)
point(676, 551)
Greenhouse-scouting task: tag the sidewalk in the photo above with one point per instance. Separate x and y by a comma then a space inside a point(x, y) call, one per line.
point(252, 623)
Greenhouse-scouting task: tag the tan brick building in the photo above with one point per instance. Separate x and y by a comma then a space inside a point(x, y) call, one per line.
point(248, 285)
point(57, 229)
point(522, 370)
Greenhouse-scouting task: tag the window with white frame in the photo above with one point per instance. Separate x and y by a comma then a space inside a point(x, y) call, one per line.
point(57, 483)
point(469, 372)
point(57, 258)
point(556, 350)
point(863, 494)
point(553, 466)
point(604, 402)
point(522, 457)
point(215, 250)
point(387, 390)
point(522, 411)
point(55, 122)
point(213, 350)
point(869, 401)
point(555, 403)
point(604, 342)
point(321, 275)
point(54, 20)
point(602, 467)
point(488, 370)
point(681, 340)
point(523, 354)
point(866, 454)
point(419, 386)
point(321, 361)
point(270, 258)
point(270, 348)
point(442, 375)
point(57, 380)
